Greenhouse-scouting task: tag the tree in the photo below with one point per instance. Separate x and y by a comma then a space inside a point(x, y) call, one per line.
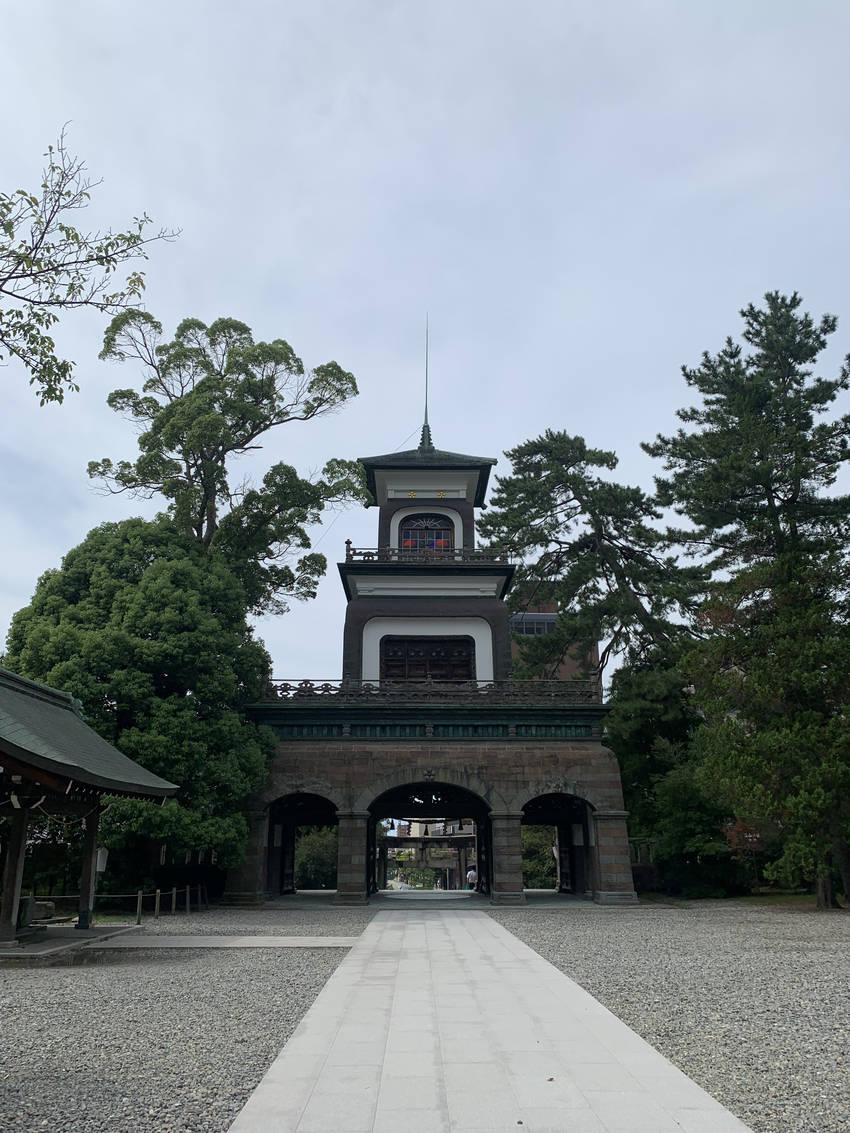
point(538, 860)
point(753, 474)
point(149, 632)
point(591, 546)
point(209, 396)
point(649, 729)
point(316, 851)
point(755, 477)
point(47, 266)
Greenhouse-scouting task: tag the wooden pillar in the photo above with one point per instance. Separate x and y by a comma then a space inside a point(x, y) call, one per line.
point(13, 872)
point(507, 859)
point(372, 856)
point(287, 857)
point(351, 877)
point(88, 877)
point(246, 882)
point(275, 846)
point(613, 882)
point(483, 857)
point(578, 857)
point(564, 842)
point(382, 865)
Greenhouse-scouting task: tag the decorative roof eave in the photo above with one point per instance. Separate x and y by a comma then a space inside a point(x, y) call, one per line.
point(428, 457)
point(42, 729)
point(504, 571)
point(59, 779)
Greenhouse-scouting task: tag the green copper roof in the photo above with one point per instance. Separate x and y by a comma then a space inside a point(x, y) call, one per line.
point(43, 727)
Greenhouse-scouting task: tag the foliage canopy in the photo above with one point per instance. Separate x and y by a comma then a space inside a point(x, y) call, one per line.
point(209, 396)
point(47, 266)
point(149, 633)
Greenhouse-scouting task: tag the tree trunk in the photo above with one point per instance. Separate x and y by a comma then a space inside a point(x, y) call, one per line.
point(825, 896)
point(841, 852)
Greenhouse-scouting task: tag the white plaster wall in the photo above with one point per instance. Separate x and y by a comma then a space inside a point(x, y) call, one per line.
point(395, 520)
point(476, 628)
point(427, 586)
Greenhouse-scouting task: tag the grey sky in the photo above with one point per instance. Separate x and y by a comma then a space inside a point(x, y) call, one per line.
point(581, 195)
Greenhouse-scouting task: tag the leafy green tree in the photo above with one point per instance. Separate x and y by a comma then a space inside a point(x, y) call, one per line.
point(149, 632)
point(47, 266)
point(773, 688)
point(590, 545)
point(538, 861)
point(755, 475)
point(316, 857)
point(649, 729)
point(208, 397)
point(693, 855)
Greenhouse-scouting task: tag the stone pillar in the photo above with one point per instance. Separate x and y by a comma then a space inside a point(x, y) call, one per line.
point(351, 879)
point(88, 877)
point(13, 872)
point(246, 882)
point(614, 884)
point(287, 858)
point(507, 859)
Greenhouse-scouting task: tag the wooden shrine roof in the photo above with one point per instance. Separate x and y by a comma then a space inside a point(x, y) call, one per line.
point(43, 728)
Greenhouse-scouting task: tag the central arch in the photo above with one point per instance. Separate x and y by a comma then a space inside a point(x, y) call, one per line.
point(434, 800)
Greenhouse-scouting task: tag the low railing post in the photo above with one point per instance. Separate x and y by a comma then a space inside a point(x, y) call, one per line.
point(139, 896)
point(173, 899)
point(188, 902)
point(156, 905)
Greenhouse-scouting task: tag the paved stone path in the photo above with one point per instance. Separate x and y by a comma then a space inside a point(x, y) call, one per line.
point(443, 1022)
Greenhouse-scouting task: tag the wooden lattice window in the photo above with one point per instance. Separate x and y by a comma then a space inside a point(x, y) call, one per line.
point(426, 533)
point(427, 658)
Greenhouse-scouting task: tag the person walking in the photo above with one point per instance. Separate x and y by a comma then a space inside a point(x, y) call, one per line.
point(471, 877)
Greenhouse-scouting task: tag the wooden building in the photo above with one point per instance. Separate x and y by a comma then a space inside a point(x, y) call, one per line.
point(53, 764)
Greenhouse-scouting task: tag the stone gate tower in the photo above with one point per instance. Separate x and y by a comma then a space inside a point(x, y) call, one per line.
point(426, 721)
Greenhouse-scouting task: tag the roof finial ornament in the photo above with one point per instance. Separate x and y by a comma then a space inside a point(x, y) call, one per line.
point(425, 442)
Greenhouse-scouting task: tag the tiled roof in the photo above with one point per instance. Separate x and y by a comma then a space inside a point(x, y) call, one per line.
point(44, 727)
point(426, 456)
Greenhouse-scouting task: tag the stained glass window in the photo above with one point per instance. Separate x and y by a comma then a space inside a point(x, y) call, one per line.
point(426, 533)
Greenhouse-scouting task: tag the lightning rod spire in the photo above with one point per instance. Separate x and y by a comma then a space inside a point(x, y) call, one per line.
point(425, 441)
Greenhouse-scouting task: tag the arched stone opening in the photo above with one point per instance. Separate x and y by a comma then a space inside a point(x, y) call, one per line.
point(287, 815)
point(458, 832)
point(574, 839)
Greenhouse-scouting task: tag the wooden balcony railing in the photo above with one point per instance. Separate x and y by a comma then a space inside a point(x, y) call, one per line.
point(425, 555)
point(490, 692)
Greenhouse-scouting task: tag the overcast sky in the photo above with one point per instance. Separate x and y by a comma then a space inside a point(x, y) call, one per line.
point(581, 195)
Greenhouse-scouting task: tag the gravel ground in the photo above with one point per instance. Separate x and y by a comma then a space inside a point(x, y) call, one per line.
point(306, 918)
point(753, 1002)
point(155, 1042)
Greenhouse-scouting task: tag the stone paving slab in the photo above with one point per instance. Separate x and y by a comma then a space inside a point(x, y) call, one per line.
point(63, 938)
point(443, 1022)
point(172, 941)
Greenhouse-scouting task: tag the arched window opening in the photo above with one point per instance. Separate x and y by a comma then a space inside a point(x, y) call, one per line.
point(433, 533)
